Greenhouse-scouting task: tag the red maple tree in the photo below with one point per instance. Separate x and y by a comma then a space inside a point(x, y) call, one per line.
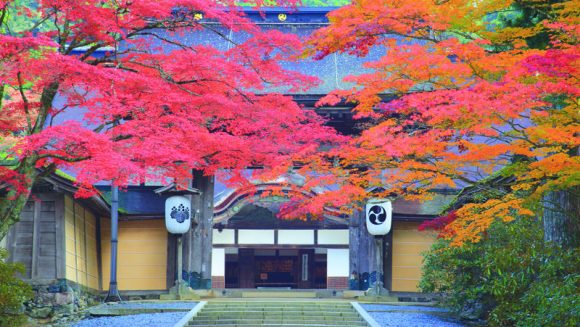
point(147, 97)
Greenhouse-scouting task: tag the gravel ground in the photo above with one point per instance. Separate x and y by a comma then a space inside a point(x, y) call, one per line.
point(408, 316)
point(155, 305)
point(167, 319)
point(384, 307)
point(142, 320)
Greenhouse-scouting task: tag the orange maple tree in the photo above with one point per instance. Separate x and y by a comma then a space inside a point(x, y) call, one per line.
point(481, 89)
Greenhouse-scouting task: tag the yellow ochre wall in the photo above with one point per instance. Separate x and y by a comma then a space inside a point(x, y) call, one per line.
point(81, 244)
point(142, 254)
point(408, 244)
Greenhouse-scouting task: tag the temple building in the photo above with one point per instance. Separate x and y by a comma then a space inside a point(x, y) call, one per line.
point(63, 238)
point(236, 242)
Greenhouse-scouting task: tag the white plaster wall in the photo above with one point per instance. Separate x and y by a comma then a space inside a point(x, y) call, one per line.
point(333, 237)
point(226, 236)
point(301, 237)
point(256, 236)
point(218, 262)
point(337, 263)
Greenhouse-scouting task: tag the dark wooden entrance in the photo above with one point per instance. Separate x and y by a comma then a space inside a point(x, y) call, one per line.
point(275, 271)
point(295, 269)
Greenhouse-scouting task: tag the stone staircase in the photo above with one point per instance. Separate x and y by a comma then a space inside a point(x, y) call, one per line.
point(278, 313)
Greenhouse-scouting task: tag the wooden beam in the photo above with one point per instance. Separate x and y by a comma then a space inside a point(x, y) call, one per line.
point(171, 259)
point(35, 239)
point(280, 246)
point(99, 251)
point(60, 237)
point(388, 261)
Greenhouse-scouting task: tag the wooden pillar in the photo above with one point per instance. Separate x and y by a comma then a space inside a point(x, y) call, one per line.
point(364, 249)
point(371, 251)
point(207, 223)
point(172, 259)
point(354, 242)
point(388, 260)
point(361, 246)
point(197, 243)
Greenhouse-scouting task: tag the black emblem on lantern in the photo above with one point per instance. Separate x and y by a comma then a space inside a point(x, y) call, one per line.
point(180, 213)
point(377, 215)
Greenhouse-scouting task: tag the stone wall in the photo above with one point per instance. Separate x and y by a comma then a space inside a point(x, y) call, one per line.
point(59, 303)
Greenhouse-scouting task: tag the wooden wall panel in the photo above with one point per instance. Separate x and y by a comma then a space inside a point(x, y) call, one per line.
point(22, 238)
point(142, 254)
point(69, 234)
point(408, 244)
point(91, 247)
point(32, 241)
point(81, 245)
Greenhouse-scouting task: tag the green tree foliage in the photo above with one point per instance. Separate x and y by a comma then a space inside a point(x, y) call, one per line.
point(510, 278)
point(13, 293)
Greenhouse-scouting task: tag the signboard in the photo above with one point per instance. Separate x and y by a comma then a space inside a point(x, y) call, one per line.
point(177, 214)
point(379, 214)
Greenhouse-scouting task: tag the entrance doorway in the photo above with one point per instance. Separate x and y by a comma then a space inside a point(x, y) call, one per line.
point(275, 268)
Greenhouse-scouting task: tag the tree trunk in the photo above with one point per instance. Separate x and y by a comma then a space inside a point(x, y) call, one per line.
point(562, 218)
point(13, 203)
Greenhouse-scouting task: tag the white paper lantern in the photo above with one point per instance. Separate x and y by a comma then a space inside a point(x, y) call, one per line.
point(379, 216)
point(177, 214)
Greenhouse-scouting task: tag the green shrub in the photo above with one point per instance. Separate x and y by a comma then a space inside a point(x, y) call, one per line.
point(510, 278)
point(553, 299)
point(13, 292)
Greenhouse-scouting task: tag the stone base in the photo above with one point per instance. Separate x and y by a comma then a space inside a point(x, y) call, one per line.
point(378, 293)
point(60, 302)
point(185, 293)
point(353, 294)
point(378, 299)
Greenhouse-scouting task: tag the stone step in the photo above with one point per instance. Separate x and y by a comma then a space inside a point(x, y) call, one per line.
point(217, 315)
point(277, 321)
point(279, 294)
point(284, 325)
point(350, 318)
point(279, 305)
point(274, 303)
point(278, 313)
point(349, 324)
point(321, 318)
point(277, 309)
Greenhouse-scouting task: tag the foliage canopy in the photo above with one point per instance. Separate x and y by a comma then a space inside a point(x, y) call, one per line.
point(477, 85)
point(125, 91)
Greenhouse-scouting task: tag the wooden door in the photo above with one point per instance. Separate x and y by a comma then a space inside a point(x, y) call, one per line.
point(305, 269)
point(247, 268)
